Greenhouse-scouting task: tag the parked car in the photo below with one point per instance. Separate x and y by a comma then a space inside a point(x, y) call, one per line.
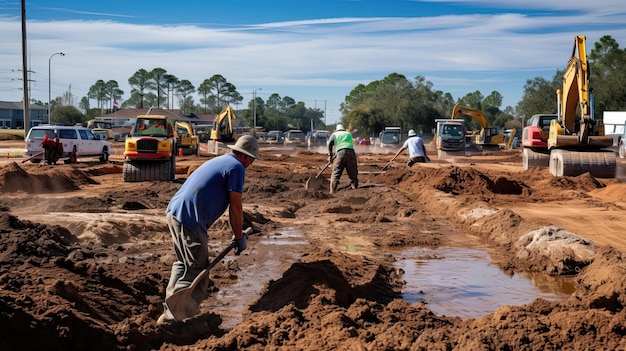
point(320, 137)
point(275, 137)
point(295, 137)
point(76, 141)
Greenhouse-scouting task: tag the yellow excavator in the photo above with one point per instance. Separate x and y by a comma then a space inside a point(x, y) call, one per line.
point(488, 137)
point(186, 138)
point(223, 126)
point(576, 141)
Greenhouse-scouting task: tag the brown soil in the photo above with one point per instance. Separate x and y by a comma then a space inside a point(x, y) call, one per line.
point(85, 257)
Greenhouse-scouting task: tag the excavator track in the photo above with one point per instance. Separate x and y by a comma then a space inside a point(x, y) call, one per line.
point(600, 163)
point(532, 158)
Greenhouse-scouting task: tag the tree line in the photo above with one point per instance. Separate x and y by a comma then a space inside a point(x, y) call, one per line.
point(392, 101)
point(157, 88)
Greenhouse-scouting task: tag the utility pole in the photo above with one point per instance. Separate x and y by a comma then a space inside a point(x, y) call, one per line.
point(254, 108)
point(25, 72)
point(325, 112)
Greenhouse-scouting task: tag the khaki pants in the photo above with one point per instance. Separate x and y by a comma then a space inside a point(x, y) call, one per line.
point(192, 256)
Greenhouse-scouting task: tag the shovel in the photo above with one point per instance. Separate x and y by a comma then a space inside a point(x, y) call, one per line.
point(389, 163)
point(33, 156)
point(181, 304)
point(317, 183)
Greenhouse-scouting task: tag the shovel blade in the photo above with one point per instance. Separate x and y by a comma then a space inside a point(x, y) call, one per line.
point(181, 304)
point(317, 183)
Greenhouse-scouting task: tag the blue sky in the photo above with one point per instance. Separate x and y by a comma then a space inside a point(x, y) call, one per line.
point(313, 51)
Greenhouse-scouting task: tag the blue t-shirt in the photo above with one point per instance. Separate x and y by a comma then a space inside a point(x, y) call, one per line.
point(204, 196)
point(415, 146)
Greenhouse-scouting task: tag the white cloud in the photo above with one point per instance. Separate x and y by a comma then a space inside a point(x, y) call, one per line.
point(315, 60)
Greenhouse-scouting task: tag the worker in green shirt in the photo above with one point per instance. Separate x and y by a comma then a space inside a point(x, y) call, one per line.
point(341, 141)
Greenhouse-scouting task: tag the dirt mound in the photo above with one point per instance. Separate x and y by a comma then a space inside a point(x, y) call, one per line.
point(360, 279)
point(41, 180)
point(31, 242)
point(105, 169)
point(611, 192)
point(469, 181)
point(81, 291)
point(528, 186)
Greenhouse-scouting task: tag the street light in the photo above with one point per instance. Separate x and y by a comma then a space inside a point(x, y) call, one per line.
point(254, 108)
point(49, 78)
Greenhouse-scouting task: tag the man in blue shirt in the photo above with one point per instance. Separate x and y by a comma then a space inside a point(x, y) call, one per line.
point(201, 200)
point(341, 140)
point(417, 150)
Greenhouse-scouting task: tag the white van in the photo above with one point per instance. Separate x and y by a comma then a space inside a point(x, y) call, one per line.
point(77, 142)
point(295, 136)
point(391, 136)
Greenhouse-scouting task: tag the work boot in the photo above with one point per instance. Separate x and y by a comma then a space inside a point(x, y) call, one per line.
point(409, 164)
point(166, 317)
point(354, 186)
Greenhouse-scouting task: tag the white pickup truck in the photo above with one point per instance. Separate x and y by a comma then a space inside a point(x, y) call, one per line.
point(76, 141)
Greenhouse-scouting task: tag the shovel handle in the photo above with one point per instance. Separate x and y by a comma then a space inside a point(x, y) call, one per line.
point(323, 169)
point(389, 163)
point(228, 248)
point(33, 156)
point(221, 255)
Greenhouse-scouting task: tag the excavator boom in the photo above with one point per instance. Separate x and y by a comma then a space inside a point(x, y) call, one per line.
point(576, 141)
point(576, 95)
point(460, 111)
point(489, 137)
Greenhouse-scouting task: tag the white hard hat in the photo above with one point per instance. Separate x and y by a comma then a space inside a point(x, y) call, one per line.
point(412, 133)
point(340, 127)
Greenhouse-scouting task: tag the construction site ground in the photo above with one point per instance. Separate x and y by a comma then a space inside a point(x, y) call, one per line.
point(85, 257)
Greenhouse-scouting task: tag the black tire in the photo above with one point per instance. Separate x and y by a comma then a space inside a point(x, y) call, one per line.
point(71, 157)
point(104, 157)
point(172, 167)
point(172, 176)
point(145, 171)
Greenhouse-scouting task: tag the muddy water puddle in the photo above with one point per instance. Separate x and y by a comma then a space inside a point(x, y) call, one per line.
point(273, 254)
point(464, 283)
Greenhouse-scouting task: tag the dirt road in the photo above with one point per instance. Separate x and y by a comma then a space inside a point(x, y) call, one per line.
point(85, 257)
